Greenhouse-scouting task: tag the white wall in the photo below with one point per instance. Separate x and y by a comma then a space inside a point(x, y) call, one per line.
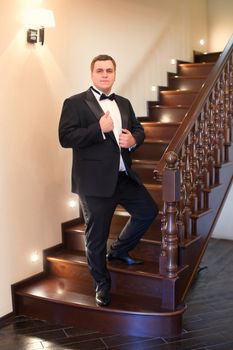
point(34, 177)
point(224, 225)
point(220, 23)
point(143, 35)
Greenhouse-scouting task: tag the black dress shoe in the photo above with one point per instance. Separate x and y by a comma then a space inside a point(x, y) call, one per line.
point(124, 258)
point(102, 297)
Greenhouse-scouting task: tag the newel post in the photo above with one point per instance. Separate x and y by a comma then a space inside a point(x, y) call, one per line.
point(171, 195)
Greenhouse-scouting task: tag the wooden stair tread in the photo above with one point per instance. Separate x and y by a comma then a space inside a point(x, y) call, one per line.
point(177, 92)
point(170, 107)
point(160, 124)
point(59, 290)
point(154, 141)
point(197, 64)
point(177, 76)
point(153, 186)
point(147, 162)
point(147, 269)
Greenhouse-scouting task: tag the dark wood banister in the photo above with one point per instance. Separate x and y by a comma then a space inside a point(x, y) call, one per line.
point(190, 165)
point(196, 107)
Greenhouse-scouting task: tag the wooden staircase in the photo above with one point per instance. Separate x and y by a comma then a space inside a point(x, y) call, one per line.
point(146, 300)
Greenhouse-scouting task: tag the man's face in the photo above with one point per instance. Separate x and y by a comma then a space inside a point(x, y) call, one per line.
point(103, 75)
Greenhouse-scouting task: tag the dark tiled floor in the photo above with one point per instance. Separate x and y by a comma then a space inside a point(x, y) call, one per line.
point(208, 322)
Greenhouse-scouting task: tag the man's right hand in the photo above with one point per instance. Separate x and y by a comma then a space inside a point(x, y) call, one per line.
point(106, 122)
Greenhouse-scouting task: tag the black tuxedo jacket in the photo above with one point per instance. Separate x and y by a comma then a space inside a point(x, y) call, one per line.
point(95, 159)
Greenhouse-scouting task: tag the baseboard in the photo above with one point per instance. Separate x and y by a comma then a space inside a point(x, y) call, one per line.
point(6, 318)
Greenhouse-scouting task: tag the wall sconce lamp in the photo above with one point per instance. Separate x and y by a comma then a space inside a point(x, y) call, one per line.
point(39, 19)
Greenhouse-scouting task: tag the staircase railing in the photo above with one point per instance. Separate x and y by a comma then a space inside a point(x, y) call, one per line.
point(196, 153)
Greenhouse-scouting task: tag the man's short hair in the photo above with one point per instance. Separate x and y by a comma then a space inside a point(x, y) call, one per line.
point(102, 58)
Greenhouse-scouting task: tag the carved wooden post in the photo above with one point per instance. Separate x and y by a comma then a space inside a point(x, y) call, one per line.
point(171, 195)
point(163, 254)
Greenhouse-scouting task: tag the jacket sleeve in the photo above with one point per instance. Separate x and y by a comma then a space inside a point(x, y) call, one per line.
point(136, 129)
point(74, 129)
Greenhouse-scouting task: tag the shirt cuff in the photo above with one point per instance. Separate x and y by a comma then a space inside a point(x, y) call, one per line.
point(132, 147)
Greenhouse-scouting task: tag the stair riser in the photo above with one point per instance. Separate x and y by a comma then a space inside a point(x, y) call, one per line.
point(160, 132)
point(193, 84)
point(150, 151)
point(148, 250)
point(118, 221)
point(189, 70)
point(145, 174)
point(156, 195)
point(153, 234)
point(166, 115)
point(209, 57)
point(177, 98)
point(78, 275)
point(187, 254)
point(111, 322)
point(123, 283)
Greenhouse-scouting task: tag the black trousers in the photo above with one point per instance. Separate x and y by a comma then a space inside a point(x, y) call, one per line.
point(98, 213)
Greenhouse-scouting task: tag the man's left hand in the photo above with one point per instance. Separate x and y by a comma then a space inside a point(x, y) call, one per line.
point(126, 139)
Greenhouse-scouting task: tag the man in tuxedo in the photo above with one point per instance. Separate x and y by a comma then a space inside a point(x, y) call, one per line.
point(102, 130)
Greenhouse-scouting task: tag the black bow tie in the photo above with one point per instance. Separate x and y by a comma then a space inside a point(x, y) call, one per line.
point(110, 97)
point(103, 96)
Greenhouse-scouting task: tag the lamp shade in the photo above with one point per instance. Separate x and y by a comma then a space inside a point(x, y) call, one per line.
point(40, 18)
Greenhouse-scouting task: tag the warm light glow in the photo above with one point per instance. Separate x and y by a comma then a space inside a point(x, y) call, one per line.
point(72, 203)
point(36, 18)
point(202, 42)
point(34, 257)
point(153, 88)
point(173, 61)
point(165, 118)
point(60, 288)
point(60, 291)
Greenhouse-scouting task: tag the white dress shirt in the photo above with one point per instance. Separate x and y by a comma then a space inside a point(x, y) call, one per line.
point(111, 106)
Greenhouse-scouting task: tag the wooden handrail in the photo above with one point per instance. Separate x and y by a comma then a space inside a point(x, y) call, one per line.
point(196, 107)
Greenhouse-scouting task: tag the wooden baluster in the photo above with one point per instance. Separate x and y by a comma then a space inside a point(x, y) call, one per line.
point(217, 150)
point(187, 186)
point(181, 203)
point(171, 195)
point(208, 162)
point(230, 112)
point(221, 120)
point(206, 142)
point(194, 173)
point(226, 121)
point(208, 115)
point(163, 254)
point(157, 176)
point(200, 151)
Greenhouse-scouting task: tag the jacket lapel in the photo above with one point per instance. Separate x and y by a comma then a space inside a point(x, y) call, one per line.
point(93, 104)
point(97, 110)
point(124, 115)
